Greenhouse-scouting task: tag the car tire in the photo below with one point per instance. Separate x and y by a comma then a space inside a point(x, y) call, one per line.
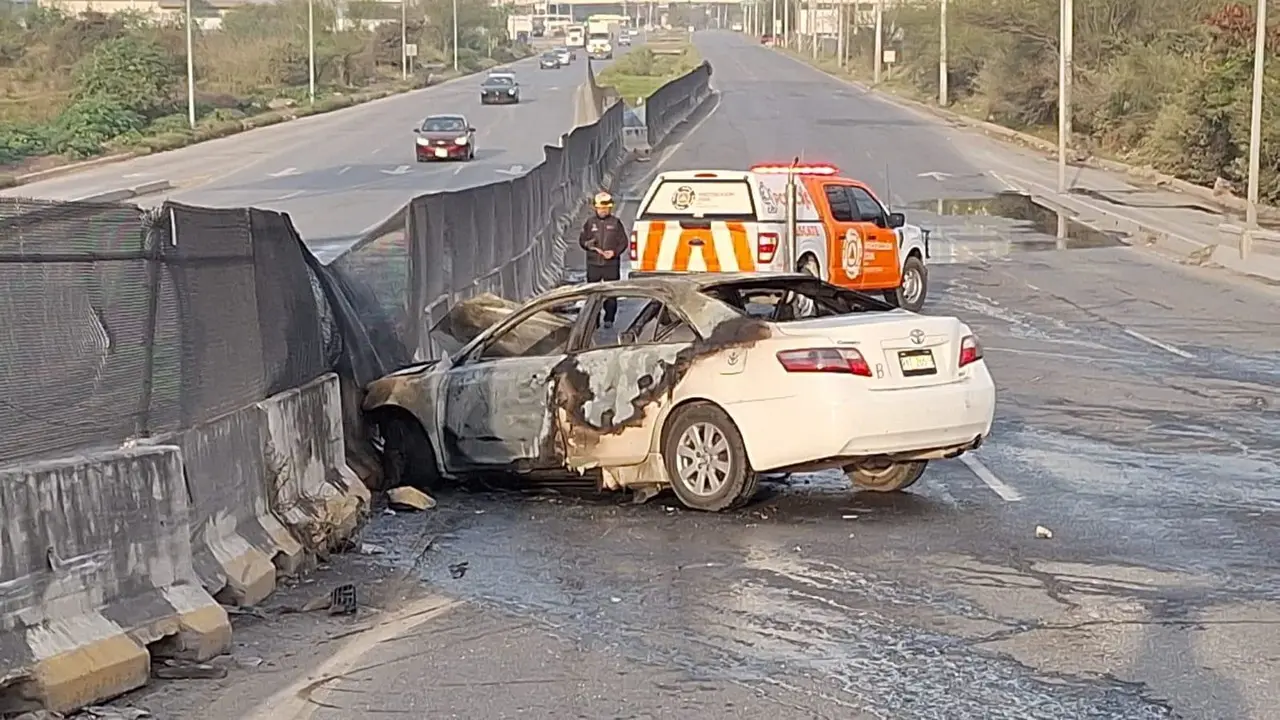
point(703, 427)
point(809, 266)
point(407, 455)
point(911, 294)
point(896, 477)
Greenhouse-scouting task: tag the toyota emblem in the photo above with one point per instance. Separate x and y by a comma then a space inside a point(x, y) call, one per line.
point(917, 336)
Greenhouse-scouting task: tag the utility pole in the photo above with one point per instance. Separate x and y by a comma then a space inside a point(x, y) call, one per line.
point(1066, 40)
point(786, 24)
point(311, 51)
point(773, 23)
point(404, 39)
point(455, 35)
point(191, 71)
point(840, 23)
point(942, 56)
point(813, 28)
point(1255, 129)
point(879, 41)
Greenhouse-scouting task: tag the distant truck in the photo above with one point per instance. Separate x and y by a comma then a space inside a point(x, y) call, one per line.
point(575, 36)
point(518, 25)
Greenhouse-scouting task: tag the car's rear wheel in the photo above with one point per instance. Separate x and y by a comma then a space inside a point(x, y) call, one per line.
point(706, 460)
point(407, 455)
point(887, 477)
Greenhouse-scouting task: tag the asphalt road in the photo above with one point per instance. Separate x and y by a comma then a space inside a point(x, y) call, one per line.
point(1138, 421)
point(339, 173)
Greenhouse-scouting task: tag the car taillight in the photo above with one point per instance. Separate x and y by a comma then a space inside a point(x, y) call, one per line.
point(970, 350)
point(766, 246)
point(830, 360)
point(635, 250)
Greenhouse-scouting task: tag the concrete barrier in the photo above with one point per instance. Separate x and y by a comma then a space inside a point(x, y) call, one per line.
point(96, 576)
point(311, 487)
point(237, 542)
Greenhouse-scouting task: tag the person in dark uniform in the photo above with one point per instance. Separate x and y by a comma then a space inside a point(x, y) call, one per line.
point(604, 238)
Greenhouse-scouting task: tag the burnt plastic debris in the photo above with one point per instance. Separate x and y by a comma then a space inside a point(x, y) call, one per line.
point(343, 600)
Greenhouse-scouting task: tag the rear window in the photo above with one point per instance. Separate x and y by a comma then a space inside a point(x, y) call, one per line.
point(784, 300)
point(702, 199)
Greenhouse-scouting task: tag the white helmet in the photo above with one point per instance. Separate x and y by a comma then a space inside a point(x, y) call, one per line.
point(603, 200)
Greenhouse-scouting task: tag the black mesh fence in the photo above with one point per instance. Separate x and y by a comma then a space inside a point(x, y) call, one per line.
point(119, 323)
point(673, 102)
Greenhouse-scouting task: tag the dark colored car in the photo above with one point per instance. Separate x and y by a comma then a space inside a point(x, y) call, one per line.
point(549, 61)
point(499, 89)
point(445, 137)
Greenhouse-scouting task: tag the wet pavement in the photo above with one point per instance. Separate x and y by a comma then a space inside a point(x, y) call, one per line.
point(1138, 422)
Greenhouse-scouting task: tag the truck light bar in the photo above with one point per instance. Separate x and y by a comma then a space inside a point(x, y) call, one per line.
point(796, 169)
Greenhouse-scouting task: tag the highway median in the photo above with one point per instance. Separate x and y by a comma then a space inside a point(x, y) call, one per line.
point(638, 74)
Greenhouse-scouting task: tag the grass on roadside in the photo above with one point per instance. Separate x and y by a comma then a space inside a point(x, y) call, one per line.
point(640, 72)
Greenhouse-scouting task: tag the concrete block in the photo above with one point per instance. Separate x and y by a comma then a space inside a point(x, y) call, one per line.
point(97, 571)
point(312, 489)
point(237, 543)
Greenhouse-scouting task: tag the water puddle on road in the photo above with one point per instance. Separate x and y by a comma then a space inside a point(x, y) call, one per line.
point(1002, 224)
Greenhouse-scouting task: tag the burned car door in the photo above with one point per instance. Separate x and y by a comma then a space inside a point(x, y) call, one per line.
point(496, 402)
point(620, 379)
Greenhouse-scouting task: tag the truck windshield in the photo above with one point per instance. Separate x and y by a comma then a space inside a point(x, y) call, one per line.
point(702, 199)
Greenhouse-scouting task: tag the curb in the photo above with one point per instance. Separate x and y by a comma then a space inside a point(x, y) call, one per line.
point(122, 194)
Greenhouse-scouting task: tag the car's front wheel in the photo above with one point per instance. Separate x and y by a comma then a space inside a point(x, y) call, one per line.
point(887, 477)
point(407, 455)
point(706, 460)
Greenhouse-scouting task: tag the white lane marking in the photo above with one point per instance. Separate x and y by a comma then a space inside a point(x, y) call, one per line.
point(285, 172)
point(1006, 493)
point(376, 151)
point(289, 196)
point(400, 170)
point(460, 168)
point(1162, 345)
point(1004, 181)
point(344, 170)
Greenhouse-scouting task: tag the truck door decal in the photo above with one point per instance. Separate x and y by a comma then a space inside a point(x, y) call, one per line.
point(852, 252)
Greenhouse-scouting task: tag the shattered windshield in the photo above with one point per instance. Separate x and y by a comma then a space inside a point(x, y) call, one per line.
point(788, 299)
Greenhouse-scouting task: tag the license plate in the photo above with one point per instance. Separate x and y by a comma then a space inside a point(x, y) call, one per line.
point(442, 152)
point(917, 362)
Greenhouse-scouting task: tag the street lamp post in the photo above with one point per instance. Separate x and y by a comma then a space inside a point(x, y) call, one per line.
point(1066, 40)
point(455, 35)
point(191, 71)
point(879, 42)
point(942, 55)
point(1255, 129)
point(311, 51)
point(404, 39)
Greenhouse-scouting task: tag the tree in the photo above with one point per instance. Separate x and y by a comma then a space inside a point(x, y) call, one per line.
point(129, 72)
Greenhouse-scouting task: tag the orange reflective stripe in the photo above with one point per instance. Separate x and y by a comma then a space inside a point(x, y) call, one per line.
point(653, 245)
point(741, 247)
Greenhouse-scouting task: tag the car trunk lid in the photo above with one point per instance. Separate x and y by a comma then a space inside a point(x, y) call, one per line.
point(903, 349)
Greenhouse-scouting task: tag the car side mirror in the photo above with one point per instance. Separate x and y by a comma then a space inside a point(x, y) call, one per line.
point(417, 130)
point(628, 338)
point(897, 220)
point(471, 129)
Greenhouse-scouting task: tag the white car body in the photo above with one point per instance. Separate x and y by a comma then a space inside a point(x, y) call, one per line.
point(583, 407)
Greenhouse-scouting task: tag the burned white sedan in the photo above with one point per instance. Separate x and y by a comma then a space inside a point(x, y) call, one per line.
point(702, 383)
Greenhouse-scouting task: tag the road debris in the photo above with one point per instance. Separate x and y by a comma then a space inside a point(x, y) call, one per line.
point(372, 549)
point(1043, 532)
point(343, 600)
point(183, 670)
point(457, 570)
point(408, 499)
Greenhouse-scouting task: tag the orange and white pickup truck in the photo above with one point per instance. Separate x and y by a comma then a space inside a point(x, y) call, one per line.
point(781, 218)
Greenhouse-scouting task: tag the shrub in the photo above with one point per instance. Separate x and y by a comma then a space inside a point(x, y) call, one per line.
point(82, 129)
point(129, 72)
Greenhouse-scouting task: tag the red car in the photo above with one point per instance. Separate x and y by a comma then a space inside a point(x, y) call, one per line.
point(445, 137)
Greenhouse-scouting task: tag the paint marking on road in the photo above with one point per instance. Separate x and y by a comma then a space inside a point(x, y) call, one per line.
point(1162, 345)
point(1006, 493)
point(344, 170)
point(376, 151)
point(399, 170)
point(285, 173)
point(289, 196)
point(1004, 181)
